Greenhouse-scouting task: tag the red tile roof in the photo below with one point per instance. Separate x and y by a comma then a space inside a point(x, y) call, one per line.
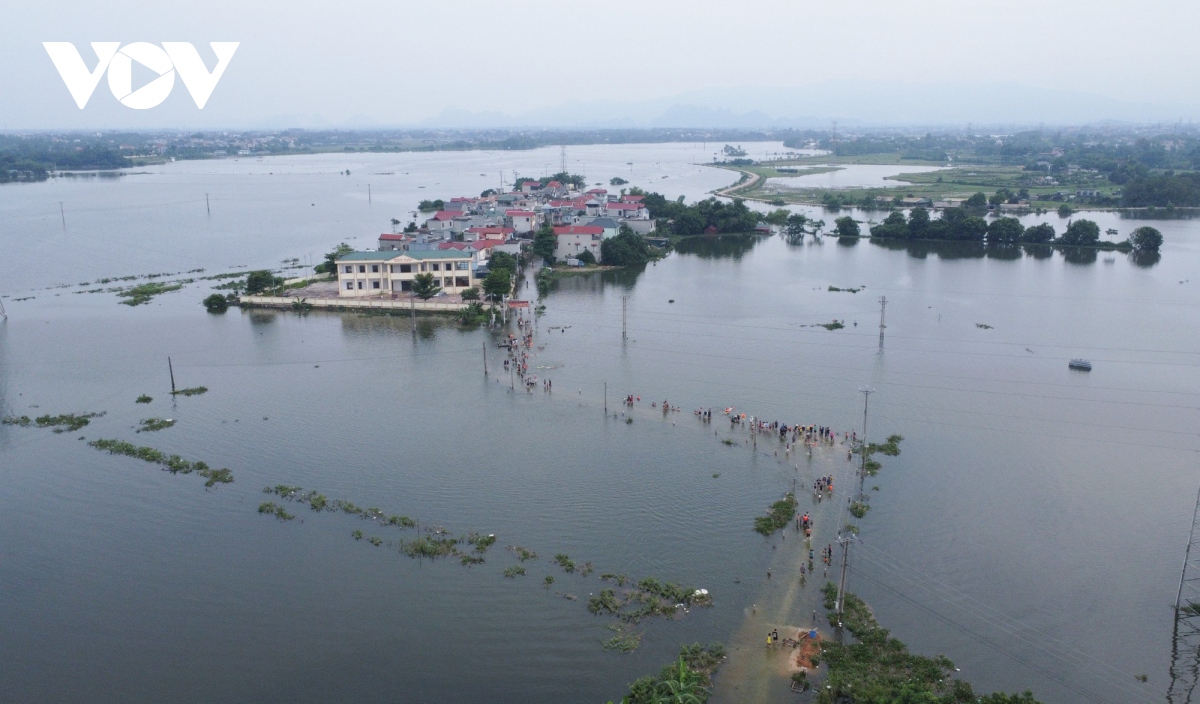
point(491, 230)
point(579, 230)
point(554, 184)
point(446, 215)
point(519, 213)
point(452, 245)
point(392, 237)
point(625, 206)
point(484, 244)
point(632, 199)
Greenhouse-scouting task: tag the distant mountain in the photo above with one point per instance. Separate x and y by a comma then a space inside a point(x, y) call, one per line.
point(850, 103)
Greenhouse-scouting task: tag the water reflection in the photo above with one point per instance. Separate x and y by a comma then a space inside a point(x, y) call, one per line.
point(1145, 260)
point(1039, 251)
point(261, 317)
point(1079, 255)
point(595, 282)
point(718, 246)
point(1004, 252)
point(848, 241)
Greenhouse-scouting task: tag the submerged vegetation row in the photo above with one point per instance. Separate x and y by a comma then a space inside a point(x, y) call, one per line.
point(60, 423)
point(170, 463)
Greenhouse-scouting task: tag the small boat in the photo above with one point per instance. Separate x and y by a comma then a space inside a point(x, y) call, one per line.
point(1080, 364)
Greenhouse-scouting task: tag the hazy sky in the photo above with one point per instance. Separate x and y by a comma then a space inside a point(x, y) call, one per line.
point(398, 62)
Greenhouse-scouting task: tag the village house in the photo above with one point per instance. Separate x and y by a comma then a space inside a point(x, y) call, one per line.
point(364, 274)
point(523, 221)
point(572, 240)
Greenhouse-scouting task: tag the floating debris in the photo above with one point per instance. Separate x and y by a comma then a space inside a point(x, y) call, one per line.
point(193, 391)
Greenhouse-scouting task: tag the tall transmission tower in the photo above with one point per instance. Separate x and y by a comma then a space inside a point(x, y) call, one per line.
point(1185, 637)
point(563, 158)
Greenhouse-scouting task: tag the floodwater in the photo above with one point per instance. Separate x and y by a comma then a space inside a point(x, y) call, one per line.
point(851, 176)
point(1032, 528)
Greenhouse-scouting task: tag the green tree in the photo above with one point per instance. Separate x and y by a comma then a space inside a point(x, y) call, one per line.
point(1064, 211)
point(779, 216)
point(545, 242)
point(586, 257)
point(1146, 239)
point(470, 294)
point(918, 222)
point(498, 283)
point(502, 260)
point(261, 280)
point(846, 227)
point(688, 222)
point(973, 228)
point(1004, 231)
point(424, 286)
point(1038, 234)
point(626, 249)
point(216, 303)
point(795, 225)
point(976, 202)
point(329, 266)
point(893, 226)
point(1081, 232)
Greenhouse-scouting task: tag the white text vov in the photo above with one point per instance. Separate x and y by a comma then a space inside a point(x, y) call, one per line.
point(164, 60)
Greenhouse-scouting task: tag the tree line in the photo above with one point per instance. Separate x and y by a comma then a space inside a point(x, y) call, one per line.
point(959, 224)
point(696, 218)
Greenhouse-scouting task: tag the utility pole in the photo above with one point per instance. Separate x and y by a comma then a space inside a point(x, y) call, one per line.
point(623, 333)
point(368, 194)
point(63, 213)
point(207, 207)
point(485, 372)
point(412, 306)
point(1185, 637)
point(844, 541)
point(171, 369)
point(862, 473)
point(882, 308)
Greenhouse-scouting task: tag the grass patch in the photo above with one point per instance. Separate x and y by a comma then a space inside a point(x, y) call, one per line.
point(144, 399)
point(835, 289)
point(879, 668)
point(564, 562)
point(835, 325)
point(60, 424)
point(624, 640)
point(522, 554)
point(432, 547)
point(778, 516)
point(193, 391)
point(273, 509)
point(514, 571)
point(170, 463)
point(649, 597)
point(858, 509)
point(983, 326)
point(144, 293)
point(481, 542)
point(688, 679)
point(150, 425)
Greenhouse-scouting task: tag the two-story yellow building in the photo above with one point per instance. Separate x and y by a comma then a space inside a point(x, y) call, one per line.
point(392, 272)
